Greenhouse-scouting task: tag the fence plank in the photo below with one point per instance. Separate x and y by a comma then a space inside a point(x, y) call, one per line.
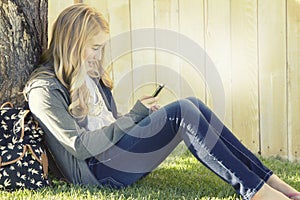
point(144, 70)
point(217, 41)
point(293, 43)
point(191, 25)
point(166, 17)
point(245, 118)
point(99, 5)
point(272, 77)
point(119, 19)
point(54, 9)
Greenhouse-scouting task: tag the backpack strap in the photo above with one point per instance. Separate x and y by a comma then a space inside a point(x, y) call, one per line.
point(23, 122)
point(43, 160)
point(13, 161)
point(7, 104)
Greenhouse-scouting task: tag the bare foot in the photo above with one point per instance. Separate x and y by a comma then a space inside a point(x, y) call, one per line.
point(268, 193)
point(279, 185)
point(295, 196)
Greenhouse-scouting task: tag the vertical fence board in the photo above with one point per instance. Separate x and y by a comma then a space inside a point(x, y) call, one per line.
point(144, 72)
point(191, 25)
point(293, 43)
point(217, 42)
point(99, 5)
point(245, 119)
point(166, 17)
point(272, 77)
point(119, 19)
point(54, 9)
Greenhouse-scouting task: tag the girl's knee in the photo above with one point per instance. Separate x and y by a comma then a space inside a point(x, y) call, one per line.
point(195, 101)
point(186, 105)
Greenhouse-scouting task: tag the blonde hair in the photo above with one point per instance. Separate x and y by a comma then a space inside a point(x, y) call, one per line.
point(72, 29)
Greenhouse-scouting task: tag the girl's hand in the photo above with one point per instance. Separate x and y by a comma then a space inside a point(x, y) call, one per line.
point(150, 102)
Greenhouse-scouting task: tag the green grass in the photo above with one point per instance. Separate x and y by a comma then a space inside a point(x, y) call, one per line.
point(179, 177)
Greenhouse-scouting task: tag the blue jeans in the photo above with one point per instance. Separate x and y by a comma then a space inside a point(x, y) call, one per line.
point(147, 144)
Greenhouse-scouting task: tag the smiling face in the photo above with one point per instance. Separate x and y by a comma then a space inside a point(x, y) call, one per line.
point(94, 49)
point(94, 52)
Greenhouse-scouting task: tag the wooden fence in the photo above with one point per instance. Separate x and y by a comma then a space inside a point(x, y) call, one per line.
point(254, 46)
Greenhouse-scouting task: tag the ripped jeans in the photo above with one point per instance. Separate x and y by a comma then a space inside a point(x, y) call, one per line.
point(146, 145)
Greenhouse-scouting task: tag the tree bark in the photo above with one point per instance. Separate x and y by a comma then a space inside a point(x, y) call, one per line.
point(23, 37)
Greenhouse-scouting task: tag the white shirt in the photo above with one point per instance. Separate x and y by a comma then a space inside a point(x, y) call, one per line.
point(99, 116)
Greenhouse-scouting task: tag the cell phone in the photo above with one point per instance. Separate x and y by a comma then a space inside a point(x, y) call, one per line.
point(158, 89)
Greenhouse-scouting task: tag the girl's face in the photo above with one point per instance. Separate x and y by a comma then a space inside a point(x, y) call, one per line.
point(93, 51)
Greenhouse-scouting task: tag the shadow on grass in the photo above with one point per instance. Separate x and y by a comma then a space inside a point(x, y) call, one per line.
point(181, 176)
point(161, 184)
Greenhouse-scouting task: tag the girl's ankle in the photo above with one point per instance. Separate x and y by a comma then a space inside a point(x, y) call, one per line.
point(268, 193)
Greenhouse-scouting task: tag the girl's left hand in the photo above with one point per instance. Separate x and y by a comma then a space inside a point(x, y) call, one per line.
point(150, 102)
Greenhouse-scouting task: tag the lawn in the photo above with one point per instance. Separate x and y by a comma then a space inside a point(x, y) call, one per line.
point(179, 177)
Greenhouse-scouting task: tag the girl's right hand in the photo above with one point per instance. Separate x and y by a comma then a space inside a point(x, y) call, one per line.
point(150, 102)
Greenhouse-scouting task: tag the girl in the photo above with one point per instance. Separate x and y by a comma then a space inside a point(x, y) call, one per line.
point(70, 95)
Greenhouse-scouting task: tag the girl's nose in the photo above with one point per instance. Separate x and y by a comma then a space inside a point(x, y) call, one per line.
point(98, 54)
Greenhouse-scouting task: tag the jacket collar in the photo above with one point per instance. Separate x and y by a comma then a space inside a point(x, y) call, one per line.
point(52, 83)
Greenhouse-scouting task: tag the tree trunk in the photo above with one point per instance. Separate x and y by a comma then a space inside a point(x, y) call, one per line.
point(23, 37)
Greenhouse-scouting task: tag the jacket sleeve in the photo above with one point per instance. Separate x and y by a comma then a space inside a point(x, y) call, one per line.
point(51, 111)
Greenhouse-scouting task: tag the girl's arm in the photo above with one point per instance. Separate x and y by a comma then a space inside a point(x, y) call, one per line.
point(51, 111)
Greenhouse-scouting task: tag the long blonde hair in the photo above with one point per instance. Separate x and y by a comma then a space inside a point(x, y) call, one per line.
point(75, 26)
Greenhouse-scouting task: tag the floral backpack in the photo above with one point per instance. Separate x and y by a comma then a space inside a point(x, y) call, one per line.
point(23, 160)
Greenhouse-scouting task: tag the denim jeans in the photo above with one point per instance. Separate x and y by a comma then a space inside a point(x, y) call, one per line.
point(148, 143)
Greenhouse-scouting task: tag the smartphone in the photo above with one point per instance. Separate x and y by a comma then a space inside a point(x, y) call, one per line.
point(158, 89)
